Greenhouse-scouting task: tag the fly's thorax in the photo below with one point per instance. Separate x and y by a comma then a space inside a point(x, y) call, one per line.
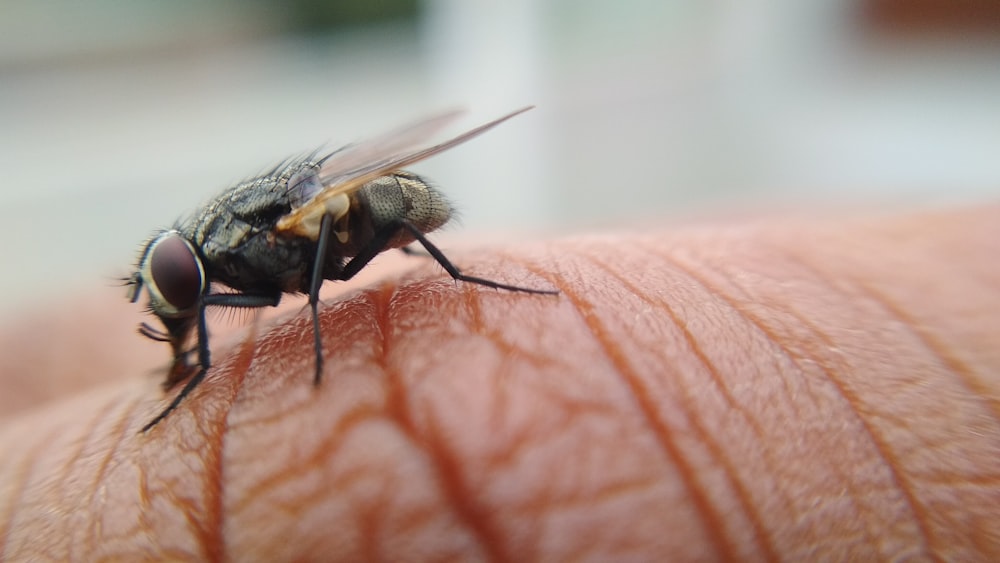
point(403, 195)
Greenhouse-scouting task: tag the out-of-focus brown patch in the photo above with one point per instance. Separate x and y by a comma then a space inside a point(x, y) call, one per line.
point(932, 17)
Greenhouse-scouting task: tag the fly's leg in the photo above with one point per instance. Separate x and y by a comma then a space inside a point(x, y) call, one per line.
point(325, 231)
point(241, 300)
point(203, 364)
point(179, 369)
point(384, 235)
point(153, 333)
point(453, 270)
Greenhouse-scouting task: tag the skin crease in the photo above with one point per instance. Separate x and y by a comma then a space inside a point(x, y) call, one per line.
point(801, 388)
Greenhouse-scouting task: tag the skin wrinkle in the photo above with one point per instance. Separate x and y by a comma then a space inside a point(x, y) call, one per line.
point(760, 533)
point(201, 522)
point(890, 462)
point(145, 506)
point(211, 524)
point(715, 377)
point(207, 521)
point(121, 432)
point(924, 518)
point(504, 458)
point(197, 448)
point(988, 280)
point(274, 340)
point(852, 407)
point(911, 325)
point(691, 272)
point(498, 458)
point(548, 500)
point(753, 321)
point(543, 493)
point(960, 369)
point(24, 474)
point(920, 515)
point(455, 492)
point(478, 326)
point(449, 479)
point(87, 437)
point(711, 522)
point(689, 338)
point(965, 375)
point(88, 433)
point(44, 475)
point(552, 502)
point(677, 408)
point(471, 297)
point(272, 486)
point(419, 520)
point(381, 315)
point(371, 522)
point(856, 495)
point(501, 458)
point(396, 407)
point(530, 267)
point(951, 479)
point(521, 442)
point(327, 449)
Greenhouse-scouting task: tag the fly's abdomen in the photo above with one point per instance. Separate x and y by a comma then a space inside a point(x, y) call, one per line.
point(405, 196)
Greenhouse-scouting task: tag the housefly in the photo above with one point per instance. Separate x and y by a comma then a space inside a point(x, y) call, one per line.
point(309, 219)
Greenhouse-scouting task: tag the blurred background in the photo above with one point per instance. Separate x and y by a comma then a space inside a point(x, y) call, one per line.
point(117, 118)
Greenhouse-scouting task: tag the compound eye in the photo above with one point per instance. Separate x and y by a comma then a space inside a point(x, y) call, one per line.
point(176, 272)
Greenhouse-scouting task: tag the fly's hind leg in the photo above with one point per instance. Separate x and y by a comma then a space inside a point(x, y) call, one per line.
point(385, 234)
point(453, 270)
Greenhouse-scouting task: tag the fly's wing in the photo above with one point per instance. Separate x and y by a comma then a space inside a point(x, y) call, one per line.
point(349, 159)
point(346, 170)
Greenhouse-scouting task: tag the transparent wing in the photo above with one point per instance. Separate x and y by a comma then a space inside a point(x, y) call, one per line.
point(351, 158)
point(346, 170)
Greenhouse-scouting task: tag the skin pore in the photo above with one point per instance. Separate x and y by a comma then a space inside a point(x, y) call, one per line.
point(795, 388)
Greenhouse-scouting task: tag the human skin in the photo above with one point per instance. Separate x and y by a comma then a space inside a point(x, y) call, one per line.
point(798, 388)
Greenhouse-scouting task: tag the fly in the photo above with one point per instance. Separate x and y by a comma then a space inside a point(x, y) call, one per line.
point(309, 219)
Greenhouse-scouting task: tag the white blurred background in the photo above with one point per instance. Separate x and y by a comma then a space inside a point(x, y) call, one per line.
point(119, 117)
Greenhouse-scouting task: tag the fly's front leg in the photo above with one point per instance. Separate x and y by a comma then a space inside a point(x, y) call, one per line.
point(145, 329)
point(179, 369)
point(241, 300)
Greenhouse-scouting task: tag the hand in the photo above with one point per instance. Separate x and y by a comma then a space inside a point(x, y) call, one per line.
point(798, 389)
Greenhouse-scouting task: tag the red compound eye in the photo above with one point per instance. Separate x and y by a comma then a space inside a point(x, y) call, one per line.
point(176, 272)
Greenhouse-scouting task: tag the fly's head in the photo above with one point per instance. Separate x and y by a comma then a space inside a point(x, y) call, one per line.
point(173, 275)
